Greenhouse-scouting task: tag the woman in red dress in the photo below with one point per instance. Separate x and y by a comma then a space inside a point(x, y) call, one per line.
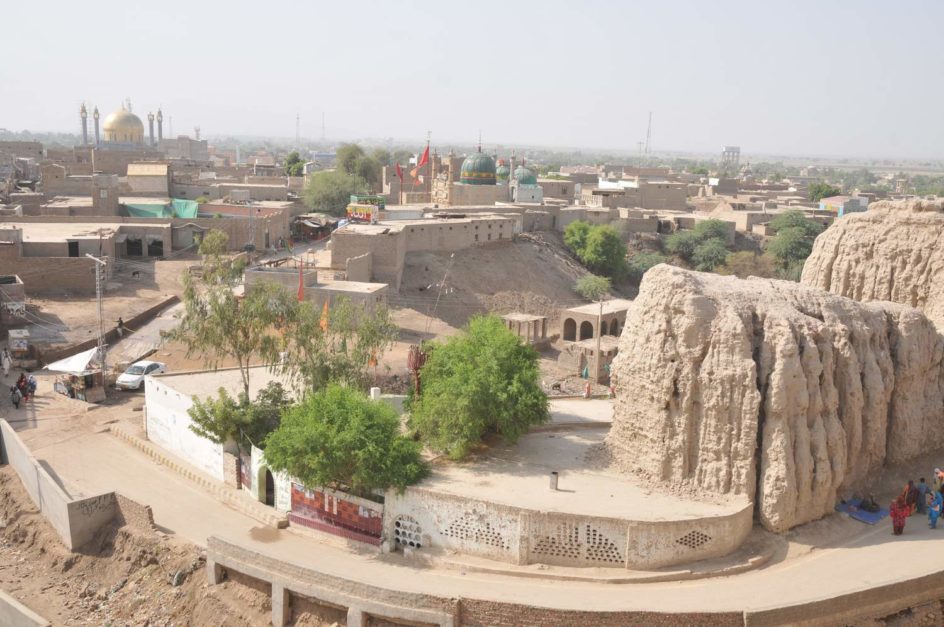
point(899, 511)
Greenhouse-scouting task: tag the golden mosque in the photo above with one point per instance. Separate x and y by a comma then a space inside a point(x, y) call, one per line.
point(121, 128)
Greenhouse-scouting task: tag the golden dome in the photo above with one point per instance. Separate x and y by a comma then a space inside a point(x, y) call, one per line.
point(124, 126)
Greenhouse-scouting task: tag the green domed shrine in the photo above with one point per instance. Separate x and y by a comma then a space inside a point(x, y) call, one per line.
point(524, 176)
point(478, 169)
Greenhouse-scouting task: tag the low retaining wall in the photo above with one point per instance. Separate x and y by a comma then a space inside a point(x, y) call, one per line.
point(75, 520)
point(111, 336)
point(426, 518)
point(15, 614)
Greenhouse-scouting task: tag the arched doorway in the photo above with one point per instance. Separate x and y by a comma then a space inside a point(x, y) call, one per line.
point(614, 327)
point(265, 486)
point(586, 330)
point(570, 330)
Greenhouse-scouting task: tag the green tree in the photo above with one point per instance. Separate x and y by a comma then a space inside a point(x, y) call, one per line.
point(347, 156)
point(294, 166)
point(245, 422)
point(604, 252)
point(790, 246)
point(330, 191)
point(218, 325)
point(682, 244)
point(593, 287)
point(821, 190)
point(381, 156)
point(711, 229)
point(575, 236)
point(338, 437)
point(796, 219)
point(639, 263)
point(339, 347)
point(201, 200)
point(685, 244)
point(710, 254)
point(482, 382)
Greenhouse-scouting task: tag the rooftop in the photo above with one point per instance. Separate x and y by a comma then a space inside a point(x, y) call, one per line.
point(522, 317)
point(609, 306)
point(351, 286)
point(205, 383)
point(62, 231)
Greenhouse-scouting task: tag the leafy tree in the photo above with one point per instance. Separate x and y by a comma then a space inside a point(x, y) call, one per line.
point(686, 244)
point(710, 254)
point(575, 236)
point(330, 191)
point(294, 166)
point(593, 287)
point(604, 252)
point(247, 423)
point(218, 265)
point(347, 156)
point(682, 244)
point(638, 264)
point(217, 324)
point(599, 247)
point(381, 156)
point(338, 437)
point(821, 190)
point(482, 382)
point(794, 218)
point(201, 200)
point(700, 171)
point(341, 347)
point(791, 246)
point(746, 263)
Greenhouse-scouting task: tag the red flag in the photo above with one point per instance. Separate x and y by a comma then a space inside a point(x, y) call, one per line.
point(324, 318)
point(424, 159)
point(301, 284)
point(399, 173)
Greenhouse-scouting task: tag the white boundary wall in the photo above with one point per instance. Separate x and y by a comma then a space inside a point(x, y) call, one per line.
point(168, 426)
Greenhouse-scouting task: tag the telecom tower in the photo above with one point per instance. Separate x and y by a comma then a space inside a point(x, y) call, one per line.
point(649, 134)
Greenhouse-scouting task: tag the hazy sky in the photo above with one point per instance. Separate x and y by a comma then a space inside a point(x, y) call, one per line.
point(854, 77)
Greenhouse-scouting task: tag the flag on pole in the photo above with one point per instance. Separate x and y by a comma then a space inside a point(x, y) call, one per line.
point(399, 173)
point(301, 284)
point(424, 159)
point(324, 318)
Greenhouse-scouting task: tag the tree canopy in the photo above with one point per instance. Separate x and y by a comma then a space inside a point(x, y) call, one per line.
point(482, 382)
point(793, 242)
point(599, 248)
point(639, 263)
point(746, 263)
point(821, 190)
point(705, 246)
point(294, 165)
point(338, 347)
point(338, 437)
point(246, 422)
point(592, 287)
point(330, 191)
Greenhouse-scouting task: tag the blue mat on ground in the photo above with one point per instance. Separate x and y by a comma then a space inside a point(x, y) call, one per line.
point(852, 508)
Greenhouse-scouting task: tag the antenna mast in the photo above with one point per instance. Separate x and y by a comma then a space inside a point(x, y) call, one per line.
point(298, 133)
point(649, 134)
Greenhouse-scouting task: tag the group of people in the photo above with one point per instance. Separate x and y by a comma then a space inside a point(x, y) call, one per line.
point(919, 498)
point(24, 390)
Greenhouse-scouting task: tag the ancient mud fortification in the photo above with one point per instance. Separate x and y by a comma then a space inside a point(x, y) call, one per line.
point(894, 251)
point(783, 392)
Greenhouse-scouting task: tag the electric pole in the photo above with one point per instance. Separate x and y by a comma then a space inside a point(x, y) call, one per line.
point(99, 288)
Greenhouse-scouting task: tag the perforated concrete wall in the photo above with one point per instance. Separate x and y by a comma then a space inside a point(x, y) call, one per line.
point(424, 518)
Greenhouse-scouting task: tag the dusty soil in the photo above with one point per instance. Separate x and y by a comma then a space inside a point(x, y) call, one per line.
point(123, 576)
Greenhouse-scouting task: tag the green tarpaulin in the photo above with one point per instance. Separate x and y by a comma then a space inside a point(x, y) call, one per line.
point(176, 209)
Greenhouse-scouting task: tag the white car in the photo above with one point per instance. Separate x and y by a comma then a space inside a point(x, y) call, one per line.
point(133, 377)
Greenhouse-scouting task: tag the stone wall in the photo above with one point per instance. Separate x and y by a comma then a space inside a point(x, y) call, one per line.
point(15, 614)
point(130, 513)
point(790, 395)
point(359, 268)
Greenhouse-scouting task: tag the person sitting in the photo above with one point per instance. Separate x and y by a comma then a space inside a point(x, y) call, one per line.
point(868, 504)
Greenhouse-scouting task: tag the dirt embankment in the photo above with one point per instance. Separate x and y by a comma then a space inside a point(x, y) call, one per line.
point(123, 577)
point(534, 274)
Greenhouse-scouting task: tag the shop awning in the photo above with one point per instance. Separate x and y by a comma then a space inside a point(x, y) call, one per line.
point(77, 364)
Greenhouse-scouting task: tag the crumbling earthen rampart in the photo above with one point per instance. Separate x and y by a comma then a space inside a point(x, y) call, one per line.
point(894, 252)
point(773, 389)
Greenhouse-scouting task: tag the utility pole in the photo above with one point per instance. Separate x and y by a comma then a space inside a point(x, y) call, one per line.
point(99, 284)
point(597, 356)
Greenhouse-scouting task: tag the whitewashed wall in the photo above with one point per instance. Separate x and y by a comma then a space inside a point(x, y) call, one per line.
point(168, 426)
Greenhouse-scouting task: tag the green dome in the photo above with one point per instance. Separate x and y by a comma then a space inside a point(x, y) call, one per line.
point(502, 172)
point(524, 176)
point(478, 169)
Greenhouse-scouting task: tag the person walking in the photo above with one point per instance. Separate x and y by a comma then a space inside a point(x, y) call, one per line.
point(16, 396)
point(6, 361)
point(911, 496)
point(120, 327)
point(899, 512)
point(934, 508)
point(923, 490)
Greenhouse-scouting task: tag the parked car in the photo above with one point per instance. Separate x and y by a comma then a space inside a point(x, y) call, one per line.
point(133, 377)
